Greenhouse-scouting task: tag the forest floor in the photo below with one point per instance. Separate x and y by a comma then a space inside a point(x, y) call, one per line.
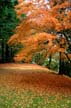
point(37, 81)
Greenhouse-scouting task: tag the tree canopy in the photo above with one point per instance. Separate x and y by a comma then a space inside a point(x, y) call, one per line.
point(45, 26)
point(8, 20)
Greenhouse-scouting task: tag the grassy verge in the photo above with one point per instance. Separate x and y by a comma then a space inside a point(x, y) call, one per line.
point(22, 98)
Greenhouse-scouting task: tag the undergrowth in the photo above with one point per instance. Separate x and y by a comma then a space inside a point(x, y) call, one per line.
point(11, 97)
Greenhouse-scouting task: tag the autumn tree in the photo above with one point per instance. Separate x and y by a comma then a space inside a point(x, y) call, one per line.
point(45, 26)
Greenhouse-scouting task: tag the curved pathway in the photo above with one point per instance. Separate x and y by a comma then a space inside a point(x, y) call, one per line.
point(34, 77)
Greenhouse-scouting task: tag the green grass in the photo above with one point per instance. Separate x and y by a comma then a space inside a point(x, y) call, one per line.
point(10, 97)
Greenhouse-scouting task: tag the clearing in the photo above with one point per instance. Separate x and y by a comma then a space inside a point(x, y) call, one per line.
point(40, 87)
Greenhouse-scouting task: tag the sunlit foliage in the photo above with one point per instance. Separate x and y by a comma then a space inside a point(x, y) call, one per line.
point(42, 28)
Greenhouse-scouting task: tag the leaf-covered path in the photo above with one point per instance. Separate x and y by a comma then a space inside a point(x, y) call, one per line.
point(34, 77)
point(31, 86)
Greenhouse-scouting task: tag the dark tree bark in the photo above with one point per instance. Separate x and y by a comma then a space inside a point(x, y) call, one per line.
point(50, 59)
point(3, 51)
point(61, 65)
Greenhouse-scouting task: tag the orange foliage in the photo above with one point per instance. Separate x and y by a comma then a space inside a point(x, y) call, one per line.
point(20, 1)
point(37, 31)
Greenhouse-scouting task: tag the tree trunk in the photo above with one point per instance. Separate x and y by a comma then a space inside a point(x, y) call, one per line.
point(3, 51)
point(50, 59)
point(61, 65)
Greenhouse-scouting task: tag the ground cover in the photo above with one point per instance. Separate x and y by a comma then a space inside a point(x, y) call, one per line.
point(33, 89)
